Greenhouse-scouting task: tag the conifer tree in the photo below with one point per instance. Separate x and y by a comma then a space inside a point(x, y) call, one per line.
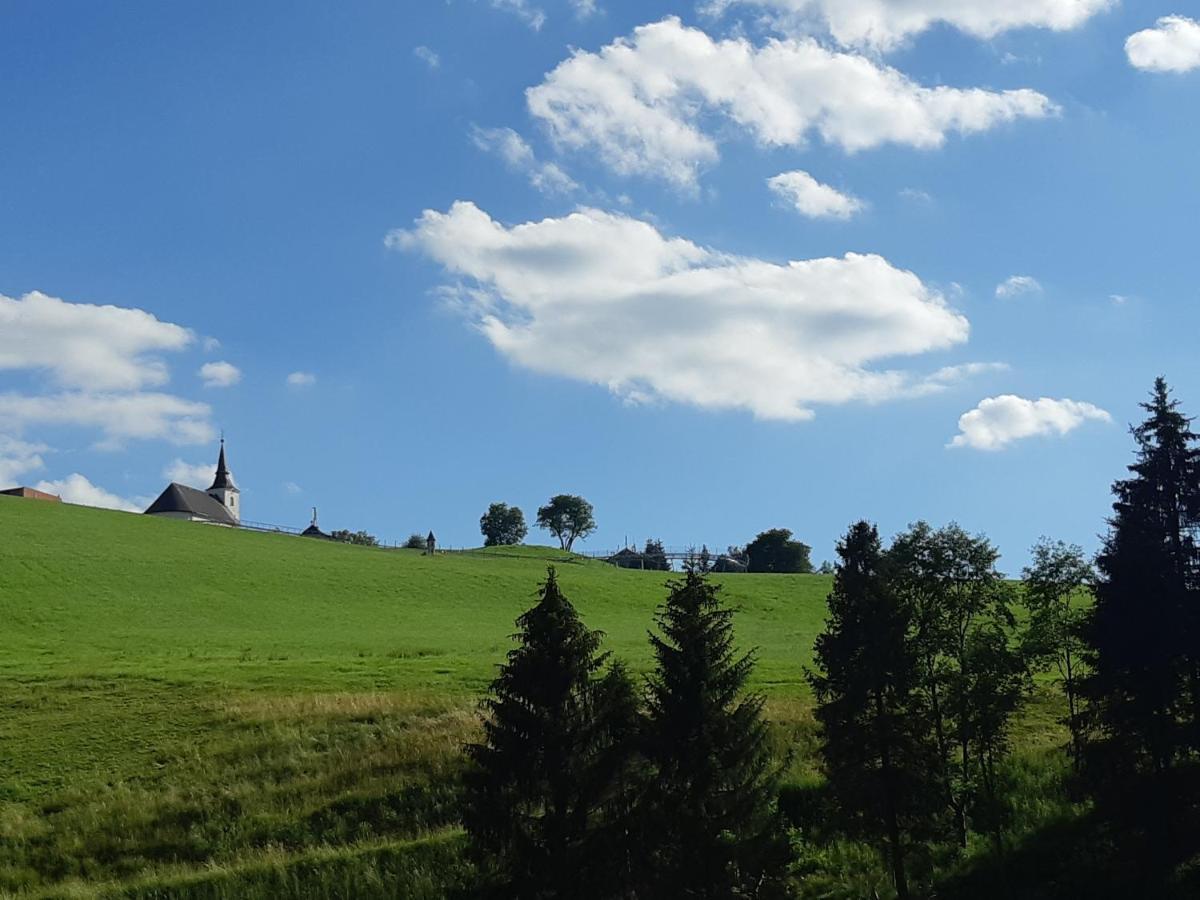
point(547, 791)
point(709, 815)
point(1143, 641)
point(876, 735)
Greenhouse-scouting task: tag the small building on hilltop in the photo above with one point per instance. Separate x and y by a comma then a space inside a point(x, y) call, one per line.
point(219, 505)
point(31, 494)
point(314, 530)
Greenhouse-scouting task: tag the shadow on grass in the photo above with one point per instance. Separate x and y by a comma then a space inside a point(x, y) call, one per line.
point(1125, 847)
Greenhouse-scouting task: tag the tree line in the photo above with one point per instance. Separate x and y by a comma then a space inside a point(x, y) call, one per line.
point(588, 783)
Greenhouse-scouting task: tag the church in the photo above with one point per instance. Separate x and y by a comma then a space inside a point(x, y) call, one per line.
point(219, 505)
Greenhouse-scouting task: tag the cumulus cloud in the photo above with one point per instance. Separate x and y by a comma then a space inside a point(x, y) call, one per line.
point(998, 421)
point(883, 24)
point(1016, 285)
point(301, 379)
point(546, 177)
point(77, 489)
point(608, 299)
point(82, 345)
point(118, 416)
point(197, 475)
point(641, 103)
point(811, 198)
point(1172, 45)
point(220, 374)
point(96, 363)
point(427, 56)
point(18, 458)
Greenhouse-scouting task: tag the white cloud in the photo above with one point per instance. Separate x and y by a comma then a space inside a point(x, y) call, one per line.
point(546, 177)
point(427, 56)
point(220, 374)
point(1016, 285)
point(18, 458)
point(292, 488)
point(883, 24)
point(608, 299)
point(197, 475)
point(301, 379)
point(210, 344)
point(118, 416)
point(811, 198)
point(916, 195)
point(524, 10)
point(1173, 45)
point(584, 9)
point(998, 421)
point(76, 488)
point(641, 102)
point(81, 345)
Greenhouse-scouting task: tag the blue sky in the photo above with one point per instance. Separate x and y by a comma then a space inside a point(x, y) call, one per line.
point(503, 261)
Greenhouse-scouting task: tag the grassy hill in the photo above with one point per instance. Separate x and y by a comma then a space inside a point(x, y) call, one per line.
point(181, 703)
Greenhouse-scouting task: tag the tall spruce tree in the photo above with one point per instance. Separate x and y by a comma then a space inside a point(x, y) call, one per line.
point(876, 735)
point(709, 816)
point(1142, 635)
point(547, 791)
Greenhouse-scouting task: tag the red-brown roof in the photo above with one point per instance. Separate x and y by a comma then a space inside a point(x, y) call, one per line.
point(30, 494)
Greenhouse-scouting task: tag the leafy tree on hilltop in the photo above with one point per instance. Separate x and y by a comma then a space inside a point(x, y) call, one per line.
point(709, 817)
point(1143, 641)
point(775, 551)
point(547, 794)
point(355, 537)
point(876, 735)
point(568, 518)
point(1054, 583)
point(502, 525)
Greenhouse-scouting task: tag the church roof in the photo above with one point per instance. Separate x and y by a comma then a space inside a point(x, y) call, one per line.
point(313, 531)
point(179, 498)
point(224, 479)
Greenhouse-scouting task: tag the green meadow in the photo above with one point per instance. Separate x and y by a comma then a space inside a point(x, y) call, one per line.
point(191, 711)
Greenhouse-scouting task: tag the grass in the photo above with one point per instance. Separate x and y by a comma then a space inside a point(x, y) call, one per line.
point(184, 707)
point(189, 711)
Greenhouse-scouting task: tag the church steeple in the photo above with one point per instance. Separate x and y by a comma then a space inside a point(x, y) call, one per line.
point(224, 478)
point(223, 490)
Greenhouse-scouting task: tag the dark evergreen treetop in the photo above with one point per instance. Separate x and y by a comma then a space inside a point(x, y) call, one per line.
point(713, 787)
point(544, 791)
point(876, 735)
point(1144, 643)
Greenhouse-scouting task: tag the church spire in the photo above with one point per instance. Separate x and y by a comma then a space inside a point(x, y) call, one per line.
point(223, 479)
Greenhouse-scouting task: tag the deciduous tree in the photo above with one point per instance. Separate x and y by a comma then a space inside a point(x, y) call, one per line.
point(568, 517)
point(1055, 583)
point(775, 551)
point(958, 597)
point(502, 525)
